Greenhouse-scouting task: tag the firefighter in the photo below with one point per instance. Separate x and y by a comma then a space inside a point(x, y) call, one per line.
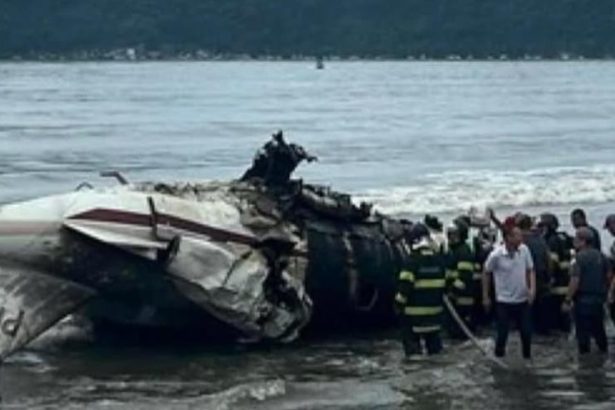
point(422, 283)
point(536, 243)
point(435, 227)
point(483, 244)
point(560, 248)
point(461, 266)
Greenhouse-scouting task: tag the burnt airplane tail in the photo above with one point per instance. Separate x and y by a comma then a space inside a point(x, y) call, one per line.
point(32, 302)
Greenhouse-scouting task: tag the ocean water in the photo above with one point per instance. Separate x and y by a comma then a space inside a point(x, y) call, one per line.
point(412, 137)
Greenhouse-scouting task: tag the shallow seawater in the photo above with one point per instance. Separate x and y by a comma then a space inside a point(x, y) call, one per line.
point(336, 373)
point(413, 137)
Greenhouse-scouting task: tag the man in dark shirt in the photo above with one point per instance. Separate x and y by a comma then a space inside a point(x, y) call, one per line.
point(609, 225)
point(578, 219)
point(590, 277)
point(539, 249)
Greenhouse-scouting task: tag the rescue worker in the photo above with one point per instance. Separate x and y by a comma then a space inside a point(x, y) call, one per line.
point(539, 250)
point(609, 225)
point(460, 262)
point(560, 248)
point(578, 219)
point(434, 225)
point(590, 279)
point(421, 287)
point(483, 244)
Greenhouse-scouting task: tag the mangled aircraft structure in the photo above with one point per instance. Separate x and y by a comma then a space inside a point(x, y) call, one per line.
point(261, 257)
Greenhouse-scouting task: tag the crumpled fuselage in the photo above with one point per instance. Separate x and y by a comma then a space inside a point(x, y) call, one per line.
point(135, 255)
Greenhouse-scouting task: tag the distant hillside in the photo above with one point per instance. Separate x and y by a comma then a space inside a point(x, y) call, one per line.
point(363, 28)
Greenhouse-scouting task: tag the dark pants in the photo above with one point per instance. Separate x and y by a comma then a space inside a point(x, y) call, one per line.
point(540, 312)
point(558, 319)
point(589, 322)
point(520, 314)
point(412, 341)
point(481, 317)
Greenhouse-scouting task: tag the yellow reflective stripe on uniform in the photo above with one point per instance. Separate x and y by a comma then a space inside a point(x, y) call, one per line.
point(401, 298)
point(452, 274)
point(464, 301)
point(477, 276)
point(459, 284)
point(425, 329)
point(477, 266)
point(429, 284)
point(560, 291)
point(423, 310)
point(465, 266)
point(564, 265)
point(554, 256)
point(406, 275)
point(426, 252)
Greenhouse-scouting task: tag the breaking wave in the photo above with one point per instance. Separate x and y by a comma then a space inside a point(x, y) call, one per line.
point(462, 190)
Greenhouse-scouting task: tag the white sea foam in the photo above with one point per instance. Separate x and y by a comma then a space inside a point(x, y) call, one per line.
point(459, 191)
point(257, 391)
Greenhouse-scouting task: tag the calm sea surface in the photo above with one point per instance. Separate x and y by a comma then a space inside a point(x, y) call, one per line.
point(412, 137)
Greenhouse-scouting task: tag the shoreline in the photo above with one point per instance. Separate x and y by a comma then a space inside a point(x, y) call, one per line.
point(135, 55)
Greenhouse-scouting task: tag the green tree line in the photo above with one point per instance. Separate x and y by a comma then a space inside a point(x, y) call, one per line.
point(365, 28)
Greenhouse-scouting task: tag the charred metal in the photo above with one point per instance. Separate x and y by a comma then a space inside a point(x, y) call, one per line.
point(260, 258)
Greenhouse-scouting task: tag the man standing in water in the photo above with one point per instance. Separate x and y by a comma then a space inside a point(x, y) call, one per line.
point(460, 263)
point(560, 248)
point(421, 287)
point(590, 276)
point(512, 269)
point(539, 250)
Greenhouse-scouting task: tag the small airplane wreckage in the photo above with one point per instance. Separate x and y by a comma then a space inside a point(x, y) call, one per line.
point(258, 258)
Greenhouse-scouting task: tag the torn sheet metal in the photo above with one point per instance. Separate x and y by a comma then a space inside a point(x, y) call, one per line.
point(233, 287)
point(30, 303)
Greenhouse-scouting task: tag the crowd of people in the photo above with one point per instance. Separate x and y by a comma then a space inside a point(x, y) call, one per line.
point(523, 270)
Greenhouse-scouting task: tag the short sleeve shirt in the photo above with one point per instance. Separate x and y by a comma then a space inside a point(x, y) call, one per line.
point(510, 273)
point(591, 267)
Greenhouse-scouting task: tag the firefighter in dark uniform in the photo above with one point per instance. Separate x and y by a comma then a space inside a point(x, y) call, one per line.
point(422, 283)
point(461, 267)
point(560, 252)
point(483, 244)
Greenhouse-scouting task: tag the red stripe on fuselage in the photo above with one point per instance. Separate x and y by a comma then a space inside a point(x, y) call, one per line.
point(133, 218)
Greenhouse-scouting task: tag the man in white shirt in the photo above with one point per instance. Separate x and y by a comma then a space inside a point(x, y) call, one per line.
point(512, 269)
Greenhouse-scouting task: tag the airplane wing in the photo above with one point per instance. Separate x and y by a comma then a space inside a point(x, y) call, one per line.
point(30, 303)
